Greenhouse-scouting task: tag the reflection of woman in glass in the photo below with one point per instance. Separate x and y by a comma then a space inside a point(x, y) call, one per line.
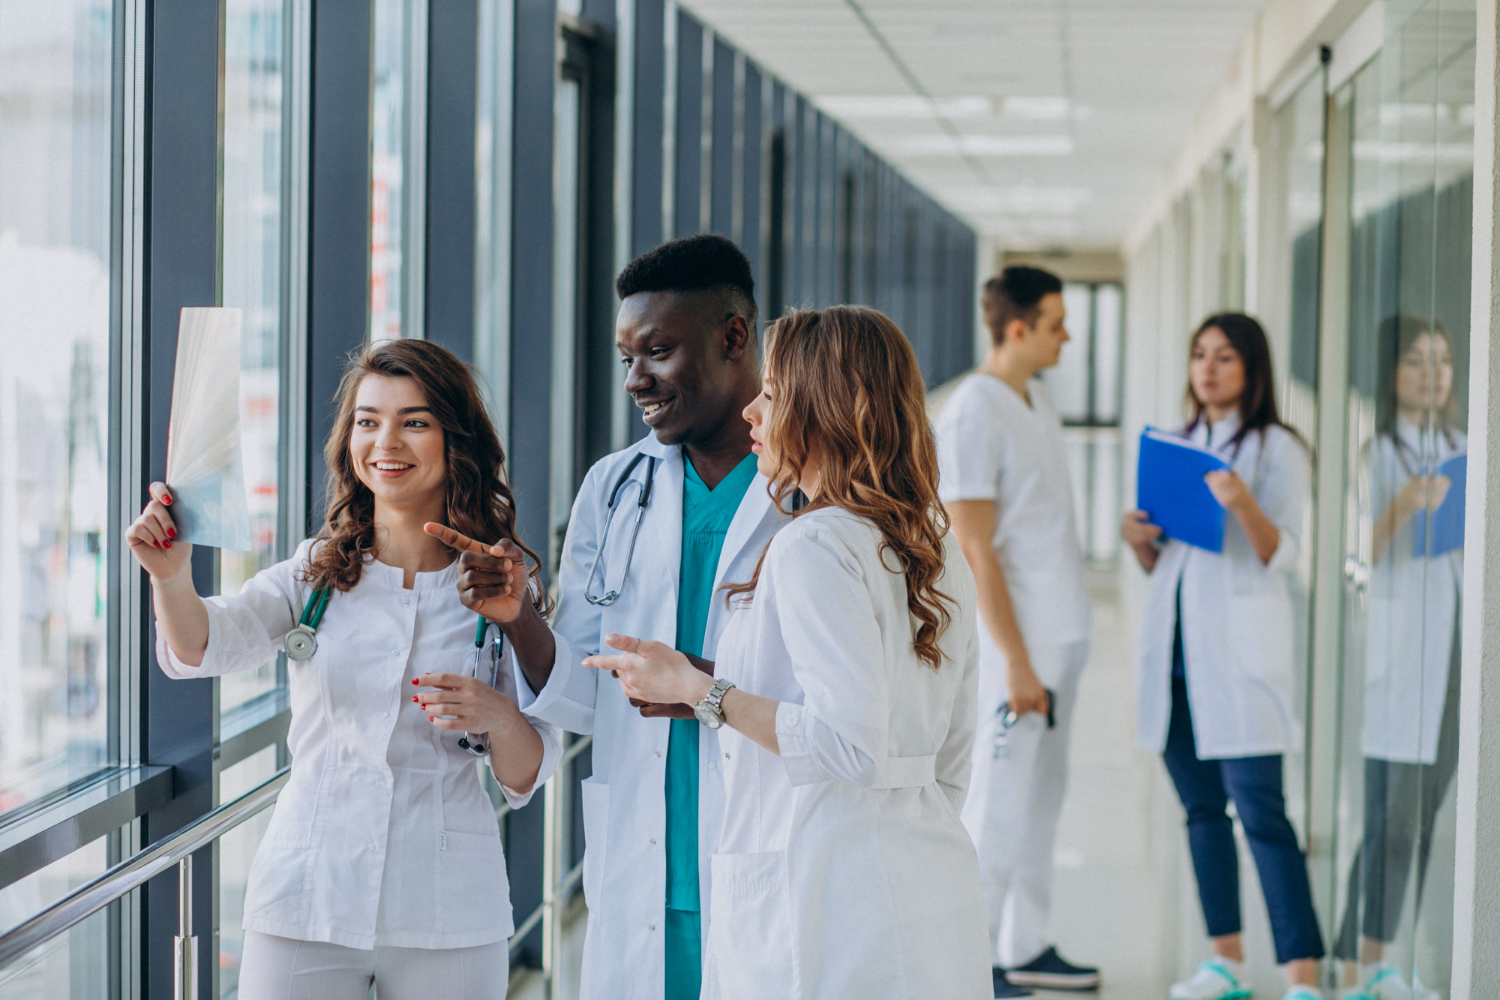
point(1411, 673)
point(383, 860)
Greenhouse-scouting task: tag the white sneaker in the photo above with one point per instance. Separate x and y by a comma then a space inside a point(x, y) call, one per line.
point(1216, 979)
point(1385, 982)
point(1303, 993)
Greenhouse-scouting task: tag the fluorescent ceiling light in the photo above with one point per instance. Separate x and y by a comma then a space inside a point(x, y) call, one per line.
point(1022, 200)
point(905, 106)
point(1037, 109)
point(986, 145)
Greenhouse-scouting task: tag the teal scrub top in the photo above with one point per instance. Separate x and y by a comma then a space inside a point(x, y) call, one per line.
point(706, 514)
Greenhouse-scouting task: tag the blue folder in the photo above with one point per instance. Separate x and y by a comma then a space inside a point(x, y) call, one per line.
point(1447, 531)
point(1170, 489)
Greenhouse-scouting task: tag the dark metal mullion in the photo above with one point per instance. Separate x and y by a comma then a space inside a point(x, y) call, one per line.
point(182, 199)
point(452, 101)
point(530, 459)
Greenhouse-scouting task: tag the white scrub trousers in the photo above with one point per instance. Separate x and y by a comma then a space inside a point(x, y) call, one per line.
point(278, 968)
point(1015, 801)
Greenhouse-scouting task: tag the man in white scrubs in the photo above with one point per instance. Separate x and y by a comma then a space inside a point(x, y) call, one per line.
point(1005, 483)
point(653, 807)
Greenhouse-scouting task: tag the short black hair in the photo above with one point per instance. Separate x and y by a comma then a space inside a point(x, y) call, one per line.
point(1016, 293)
point(693, 264)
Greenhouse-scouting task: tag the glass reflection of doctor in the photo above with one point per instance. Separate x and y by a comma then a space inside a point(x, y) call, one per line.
point(1412, 648)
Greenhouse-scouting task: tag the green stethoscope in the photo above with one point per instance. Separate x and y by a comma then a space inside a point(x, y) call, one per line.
point(302, 643)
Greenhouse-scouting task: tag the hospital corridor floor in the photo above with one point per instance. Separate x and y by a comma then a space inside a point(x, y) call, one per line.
point(1119, 892)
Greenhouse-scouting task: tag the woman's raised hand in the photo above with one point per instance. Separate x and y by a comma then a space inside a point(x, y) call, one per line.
point(152, 538)
point(652, 671)
point(492, 579)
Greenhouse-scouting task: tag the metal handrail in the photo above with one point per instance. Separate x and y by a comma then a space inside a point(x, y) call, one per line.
point(178, 849)
point(136, 871)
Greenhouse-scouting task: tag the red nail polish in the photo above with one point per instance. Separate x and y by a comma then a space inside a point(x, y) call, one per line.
point(414, 681)
point(413, 697)
point(432, 718)
point(166, 545)
point(166, 499)
point(171, 532)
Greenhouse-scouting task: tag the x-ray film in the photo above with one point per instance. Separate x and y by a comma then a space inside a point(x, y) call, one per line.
point(205, 473)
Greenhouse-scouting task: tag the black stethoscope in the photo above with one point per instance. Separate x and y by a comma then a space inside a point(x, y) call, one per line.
point(611, 596)
point(302, 642)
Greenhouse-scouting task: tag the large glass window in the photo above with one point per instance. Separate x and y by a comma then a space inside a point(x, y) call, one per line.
point(251, 281)
point(1410, 197)
point(55, 293)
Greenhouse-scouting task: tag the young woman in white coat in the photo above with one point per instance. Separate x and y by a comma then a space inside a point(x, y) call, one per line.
point(1214, 665)
point(382, 862)
point(1411, 647)
point(847, 679)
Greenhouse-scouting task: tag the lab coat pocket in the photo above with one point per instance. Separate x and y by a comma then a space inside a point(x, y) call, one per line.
point(595, 796)
point(470, 866)
point(752, 945)
point(278, 882)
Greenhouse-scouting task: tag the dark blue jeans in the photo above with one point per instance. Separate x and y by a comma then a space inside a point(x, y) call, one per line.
point(1254, 783)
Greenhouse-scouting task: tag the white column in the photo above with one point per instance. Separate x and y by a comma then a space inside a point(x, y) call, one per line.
point(1476, 924)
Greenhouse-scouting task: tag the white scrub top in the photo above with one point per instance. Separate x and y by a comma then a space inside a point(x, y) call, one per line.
point(843, 870)
point(1411, 610)
point(1236, 613)
point(624, 801)
point(383, 835)
point(993, 446)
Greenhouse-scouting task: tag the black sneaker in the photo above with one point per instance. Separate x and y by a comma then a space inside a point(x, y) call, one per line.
point(1051, 971)
point(1005, 989)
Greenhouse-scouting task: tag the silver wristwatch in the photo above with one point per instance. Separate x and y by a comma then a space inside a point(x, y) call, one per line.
point(710, 711)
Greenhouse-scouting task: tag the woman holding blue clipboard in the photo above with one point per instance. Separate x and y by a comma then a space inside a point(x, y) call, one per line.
point(1412, 489)
point(1214, 664)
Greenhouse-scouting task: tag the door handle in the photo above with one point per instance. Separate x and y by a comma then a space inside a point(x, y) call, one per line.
point(1356, 572)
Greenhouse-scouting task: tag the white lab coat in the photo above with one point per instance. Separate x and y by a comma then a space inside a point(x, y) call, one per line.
point(1411, 610)
point(843, 870)
point(1237, 614)
point(624, 801)
point(383, 835)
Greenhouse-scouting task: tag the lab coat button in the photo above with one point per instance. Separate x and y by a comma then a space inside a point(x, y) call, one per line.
point(652, 927)
point(653, 841)
point(793, 718)
point(658, 753)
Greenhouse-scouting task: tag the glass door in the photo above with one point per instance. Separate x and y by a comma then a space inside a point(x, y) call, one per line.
point(1410, 202)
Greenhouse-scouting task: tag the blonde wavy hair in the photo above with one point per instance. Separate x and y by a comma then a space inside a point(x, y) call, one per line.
point(846, 378)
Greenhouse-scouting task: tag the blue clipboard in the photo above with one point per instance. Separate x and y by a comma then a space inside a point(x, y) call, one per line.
point(1171, 490)
point(1447, 532)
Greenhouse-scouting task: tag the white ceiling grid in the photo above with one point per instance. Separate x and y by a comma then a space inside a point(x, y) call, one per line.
point(1050, 122)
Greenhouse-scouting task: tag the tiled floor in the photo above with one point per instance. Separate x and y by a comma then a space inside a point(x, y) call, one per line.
point(1122, 892)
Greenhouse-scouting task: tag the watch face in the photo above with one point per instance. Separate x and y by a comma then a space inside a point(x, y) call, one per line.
point(707, 716)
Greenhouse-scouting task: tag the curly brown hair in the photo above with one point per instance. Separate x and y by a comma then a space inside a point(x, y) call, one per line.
point(479, 504)
point(846, 378)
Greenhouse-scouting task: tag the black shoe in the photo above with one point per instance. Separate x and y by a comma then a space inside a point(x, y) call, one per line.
point(1051, 971)
point(1005, 989)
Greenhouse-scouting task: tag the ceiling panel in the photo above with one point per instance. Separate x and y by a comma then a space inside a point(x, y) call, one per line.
point(1067, 112)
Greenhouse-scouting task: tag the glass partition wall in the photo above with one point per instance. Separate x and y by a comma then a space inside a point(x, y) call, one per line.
point(1410, 195)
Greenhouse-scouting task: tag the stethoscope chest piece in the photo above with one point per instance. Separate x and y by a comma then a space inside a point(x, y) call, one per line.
point(301, 643)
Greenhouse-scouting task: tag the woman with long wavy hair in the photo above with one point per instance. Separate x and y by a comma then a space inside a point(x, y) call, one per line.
point(847, 677)
point(382, 863)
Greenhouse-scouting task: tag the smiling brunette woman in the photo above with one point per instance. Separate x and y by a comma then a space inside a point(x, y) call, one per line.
point(382, 863)
point(846, 680)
